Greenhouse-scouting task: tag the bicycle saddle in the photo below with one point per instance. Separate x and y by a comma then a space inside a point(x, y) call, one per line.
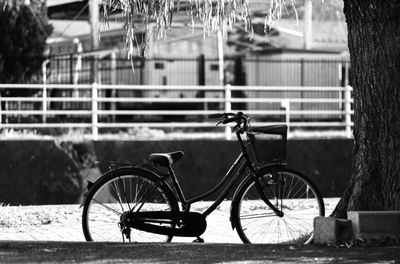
point(165, 159)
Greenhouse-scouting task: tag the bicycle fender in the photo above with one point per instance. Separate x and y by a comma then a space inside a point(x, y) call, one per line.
point(146, 169)
point(151, 173)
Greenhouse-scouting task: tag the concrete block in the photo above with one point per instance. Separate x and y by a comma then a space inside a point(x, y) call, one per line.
point(375, 224)
point(331, 230)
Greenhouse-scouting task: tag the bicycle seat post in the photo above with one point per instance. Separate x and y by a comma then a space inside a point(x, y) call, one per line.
point(177, 186)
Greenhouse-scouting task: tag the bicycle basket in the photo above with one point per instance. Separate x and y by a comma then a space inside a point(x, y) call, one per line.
point(268, 144)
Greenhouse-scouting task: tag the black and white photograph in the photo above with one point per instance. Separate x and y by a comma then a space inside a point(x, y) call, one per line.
point(200, 131)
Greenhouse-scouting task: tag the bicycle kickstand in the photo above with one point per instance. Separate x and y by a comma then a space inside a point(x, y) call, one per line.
point(198, 240)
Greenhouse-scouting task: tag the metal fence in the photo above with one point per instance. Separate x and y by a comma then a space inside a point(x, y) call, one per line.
point(99, 109)
point(257, 71)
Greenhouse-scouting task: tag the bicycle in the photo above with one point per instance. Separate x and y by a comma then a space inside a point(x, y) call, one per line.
point(139, 201)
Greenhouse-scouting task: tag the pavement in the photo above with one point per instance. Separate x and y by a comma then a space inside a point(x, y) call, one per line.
point(53, 234)
point(95, 252)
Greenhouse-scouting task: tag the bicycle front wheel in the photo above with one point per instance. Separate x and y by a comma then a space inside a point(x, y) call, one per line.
point(119, 192)
point(295, 197)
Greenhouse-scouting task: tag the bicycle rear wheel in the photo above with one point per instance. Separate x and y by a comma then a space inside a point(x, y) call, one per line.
point(121, 191)
point(292, 193)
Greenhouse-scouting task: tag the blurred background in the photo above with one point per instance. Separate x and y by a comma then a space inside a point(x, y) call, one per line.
point(70, 96)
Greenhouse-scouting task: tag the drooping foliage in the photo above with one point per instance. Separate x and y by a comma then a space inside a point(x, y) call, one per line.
point(212, 15)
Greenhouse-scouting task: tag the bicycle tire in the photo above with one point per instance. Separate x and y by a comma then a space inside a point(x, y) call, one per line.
point(300, 203)
point(117, 192)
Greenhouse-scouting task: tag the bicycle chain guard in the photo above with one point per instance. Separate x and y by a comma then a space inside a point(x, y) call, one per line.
point(184, 224)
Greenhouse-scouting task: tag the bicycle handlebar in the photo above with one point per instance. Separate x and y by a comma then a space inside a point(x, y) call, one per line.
point(239, 118)
point(215, 115)
point(230, 120)
point(220, 115)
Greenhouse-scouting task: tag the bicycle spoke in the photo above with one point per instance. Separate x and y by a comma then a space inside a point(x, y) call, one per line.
point(118, 194)
point(107, 207)
point(257, 216)
point(144, 198)
point(126, 198)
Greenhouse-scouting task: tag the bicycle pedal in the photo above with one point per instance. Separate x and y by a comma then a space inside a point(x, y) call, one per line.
point(198, 240)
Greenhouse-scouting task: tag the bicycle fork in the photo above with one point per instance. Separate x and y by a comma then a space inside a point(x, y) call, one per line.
point(278, 193)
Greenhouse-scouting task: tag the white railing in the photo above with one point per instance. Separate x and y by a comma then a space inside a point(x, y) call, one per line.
point(99, 106)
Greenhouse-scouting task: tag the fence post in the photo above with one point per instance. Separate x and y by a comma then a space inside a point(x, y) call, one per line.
point(113, 78)
point(201, 76)
point(347, 109)
point(1, 116)
point(95, 129)
point(71, 68)
point(228, 97)
point(286, 105)
point(44, 93)
point(44, 103)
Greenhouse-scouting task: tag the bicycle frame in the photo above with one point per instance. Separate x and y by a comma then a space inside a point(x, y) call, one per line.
point(264, 190)
point(242, 162)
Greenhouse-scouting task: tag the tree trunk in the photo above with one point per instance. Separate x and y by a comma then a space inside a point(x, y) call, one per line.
point(374, 45)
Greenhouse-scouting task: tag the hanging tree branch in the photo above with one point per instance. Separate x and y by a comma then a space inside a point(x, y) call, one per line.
point(212, 15)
